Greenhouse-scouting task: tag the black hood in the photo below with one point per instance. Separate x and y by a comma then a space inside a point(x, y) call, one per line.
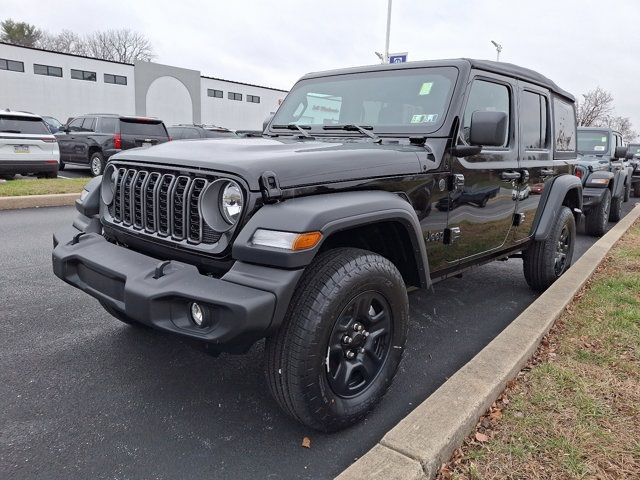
point(295, 162)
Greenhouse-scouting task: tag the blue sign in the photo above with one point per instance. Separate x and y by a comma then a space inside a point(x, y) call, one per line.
point(398, 57)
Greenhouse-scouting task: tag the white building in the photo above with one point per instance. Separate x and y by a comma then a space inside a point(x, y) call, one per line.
point(63, 85)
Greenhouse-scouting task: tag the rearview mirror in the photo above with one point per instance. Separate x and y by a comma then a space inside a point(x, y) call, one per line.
point(621, 152)
point(488, 129)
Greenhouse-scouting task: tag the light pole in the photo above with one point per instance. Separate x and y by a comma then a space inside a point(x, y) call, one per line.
point(386, 43)
point(498, 49)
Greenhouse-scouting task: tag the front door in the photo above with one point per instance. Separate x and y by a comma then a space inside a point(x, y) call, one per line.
point(481, 199)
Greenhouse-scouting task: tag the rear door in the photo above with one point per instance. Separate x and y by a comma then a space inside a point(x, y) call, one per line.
point(141, 132)
point(481, 209)
point(26, 139)
point(537, 166)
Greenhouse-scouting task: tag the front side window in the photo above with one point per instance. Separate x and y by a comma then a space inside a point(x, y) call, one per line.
point(564, 118)
point(533, 120)
point(83, 75)
point(392, 101)
point(487, 96)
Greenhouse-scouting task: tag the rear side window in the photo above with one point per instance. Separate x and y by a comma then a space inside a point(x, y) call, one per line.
point(147, 129)
point(31, 126)
point(107, 125)
point(564, 130)
point(487, 97)
point(533, 120)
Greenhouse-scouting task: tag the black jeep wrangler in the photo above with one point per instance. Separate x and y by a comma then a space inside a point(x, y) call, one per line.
point(633, 154)
point(605, 177)
point(310, 235)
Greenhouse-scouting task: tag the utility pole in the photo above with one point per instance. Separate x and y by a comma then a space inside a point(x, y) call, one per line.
point(386, 44)
point(498, 50)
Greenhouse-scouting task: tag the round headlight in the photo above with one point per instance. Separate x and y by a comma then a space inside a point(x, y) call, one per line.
point(108, 187)
point(231, 202)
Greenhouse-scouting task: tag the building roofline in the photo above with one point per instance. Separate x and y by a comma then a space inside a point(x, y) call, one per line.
point(243, 83)
point(65, 53)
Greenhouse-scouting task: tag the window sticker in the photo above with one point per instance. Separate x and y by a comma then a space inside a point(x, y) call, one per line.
point(425, 89)
point(599, 148)
point(431, 118)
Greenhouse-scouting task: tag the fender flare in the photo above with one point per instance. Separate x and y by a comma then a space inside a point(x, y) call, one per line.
point(328, 213)
point(552, 201)
point(618, 182)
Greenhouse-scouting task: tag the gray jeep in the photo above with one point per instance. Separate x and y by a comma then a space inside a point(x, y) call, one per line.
point(366, 181)
point(605, 175)
point(633, 154)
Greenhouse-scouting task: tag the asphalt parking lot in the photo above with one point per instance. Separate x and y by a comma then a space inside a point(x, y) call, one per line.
point(85, 396)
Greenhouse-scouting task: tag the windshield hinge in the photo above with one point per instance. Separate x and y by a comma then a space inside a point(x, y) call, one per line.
point(270, 187)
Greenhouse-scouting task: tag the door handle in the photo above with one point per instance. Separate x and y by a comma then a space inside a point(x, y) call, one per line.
point(547, 172)
point(510, 176)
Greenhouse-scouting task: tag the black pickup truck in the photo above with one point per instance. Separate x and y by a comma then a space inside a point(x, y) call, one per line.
point(310, 235)
point(91, 139)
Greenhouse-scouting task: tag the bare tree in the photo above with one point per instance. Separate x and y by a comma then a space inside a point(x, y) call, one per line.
point(19, 33)
point(66, 41)
point(595, 107)
point(119, 45)
point(620, 124)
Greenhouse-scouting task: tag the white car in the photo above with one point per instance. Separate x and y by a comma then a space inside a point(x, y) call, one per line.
point(27, 145)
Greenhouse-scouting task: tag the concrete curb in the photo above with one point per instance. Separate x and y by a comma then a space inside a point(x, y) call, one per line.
point(431, 432)
point(36, 201)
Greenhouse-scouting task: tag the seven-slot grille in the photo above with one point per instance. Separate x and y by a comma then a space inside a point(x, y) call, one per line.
point(161, 203)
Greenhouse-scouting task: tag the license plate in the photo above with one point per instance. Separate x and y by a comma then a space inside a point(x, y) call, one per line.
point(21, 148)
point(146, 144)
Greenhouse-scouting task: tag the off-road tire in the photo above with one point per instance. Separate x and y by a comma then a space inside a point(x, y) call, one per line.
point(636, 189)
point(96, 164)
point(296, 356)
point(539, 260)
point(615, 212)
point(595, 222)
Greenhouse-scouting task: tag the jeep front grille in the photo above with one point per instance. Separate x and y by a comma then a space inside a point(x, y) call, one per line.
point(161, 203)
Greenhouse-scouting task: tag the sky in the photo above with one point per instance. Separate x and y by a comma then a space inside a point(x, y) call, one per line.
point(578, 44)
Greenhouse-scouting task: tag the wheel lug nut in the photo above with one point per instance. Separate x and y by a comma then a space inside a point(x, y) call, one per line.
point(357, 327)
point(350, 354)
point(366, 334)
point(362, 350)
point(347, 339)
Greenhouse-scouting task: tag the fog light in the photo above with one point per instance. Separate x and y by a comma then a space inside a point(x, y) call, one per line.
point(197, 314)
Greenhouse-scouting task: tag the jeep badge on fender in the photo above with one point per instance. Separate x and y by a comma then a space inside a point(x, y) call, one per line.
point(366, 181)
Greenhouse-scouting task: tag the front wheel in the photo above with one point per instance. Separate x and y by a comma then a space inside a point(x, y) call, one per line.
point(627, 191)
point(636, 189)
point(96, 164)
point(546, 260)
point(341, 341)
point(595, 223)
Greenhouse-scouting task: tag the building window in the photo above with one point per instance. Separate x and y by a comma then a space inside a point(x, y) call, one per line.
point(11, 65)
point(235, 96)
point(214, 93)
point(115, 79)
point(83, 75)
point(253, 99)
point(47, 70)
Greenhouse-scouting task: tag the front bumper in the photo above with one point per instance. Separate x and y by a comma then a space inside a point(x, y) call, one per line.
point(238, 314)
point(591, 197)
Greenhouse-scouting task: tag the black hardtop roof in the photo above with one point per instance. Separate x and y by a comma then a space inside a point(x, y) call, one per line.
point(602, 129)
point(502, 68)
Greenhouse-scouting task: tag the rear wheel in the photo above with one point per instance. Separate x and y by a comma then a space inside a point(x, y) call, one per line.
point(596, 220)
point(61, 166)
point(341, 342)
point(627, 191)
point(546, 260)
point(636, 189)
point(96, 164)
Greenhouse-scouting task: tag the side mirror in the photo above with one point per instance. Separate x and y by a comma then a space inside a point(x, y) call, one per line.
point(267, 120)
point(629, 155)
point(488, 129)
point(64, 129)
point(621, 152)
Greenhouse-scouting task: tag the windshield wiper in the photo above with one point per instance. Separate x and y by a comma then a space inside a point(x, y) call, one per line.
point(294, 126)
point(350, 127)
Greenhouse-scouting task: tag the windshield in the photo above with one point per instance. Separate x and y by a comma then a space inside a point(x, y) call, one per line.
point(394, 101)
point(594, 142)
